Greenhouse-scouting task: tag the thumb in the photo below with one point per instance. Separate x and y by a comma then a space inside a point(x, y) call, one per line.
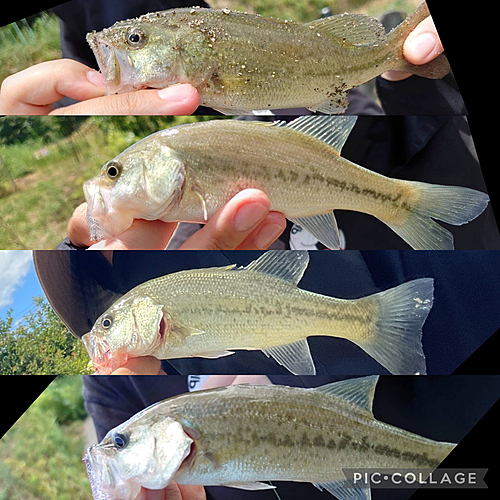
point(179, 99)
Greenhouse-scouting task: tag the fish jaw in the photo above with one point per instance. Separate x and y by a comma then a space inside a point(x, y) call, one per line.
point(104, 360)
point(105, 481)
point(110, 222)
point(114, 64)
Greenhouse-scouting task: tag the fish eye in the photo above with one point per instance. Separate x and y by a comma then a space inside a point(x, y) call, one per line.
point(113, 170)
point(107, 321)
point(136, 38)
point(120, 440)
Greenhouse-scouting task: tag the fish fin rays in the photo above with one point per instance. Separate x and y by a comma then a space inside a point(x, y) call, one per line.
point(212, 354)
point(396, 339)
point(251, 486)
point(332, 130)
point(295, 357)
point(344, 490)
point(351, 29)
point(323, 227)
point(288, 266)
point(358, 391)
point(333, 106)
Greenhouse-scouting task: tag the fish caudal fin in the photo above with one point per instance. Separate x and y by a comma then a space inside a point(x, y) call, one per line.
point(396, 342)
point(435, 69)
point(451, 204)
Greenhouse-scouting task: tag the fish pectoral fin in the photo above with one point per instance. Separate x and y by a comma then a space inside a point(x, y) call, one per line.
point(288, 266)
point(323, 227)
point(294, 357)
point(345, 490)
point(359, 391)
point(198, 191)
point(212, 354)
point(251, 486)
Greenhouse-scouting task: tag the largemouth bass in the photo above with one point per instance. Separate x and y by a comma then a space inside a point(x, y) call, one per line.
point(241, 62)
point(240, 435)
point(187, 173)
point(211, 312)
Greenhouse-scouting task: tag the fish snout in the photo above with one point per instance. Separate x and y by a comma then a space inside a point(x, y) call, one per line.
point(103, 359)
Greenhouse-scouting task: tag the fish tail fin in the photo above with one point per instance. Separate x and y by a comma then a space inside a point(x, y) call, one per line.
point(435, 69)
point(451, 204)
point(396, 338)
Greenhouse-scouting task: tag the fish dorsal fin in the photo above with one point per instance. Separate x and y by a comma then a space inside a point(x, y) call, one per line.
point(351, 29)
point(358, 391)
point(288, 266)
point(332, 130)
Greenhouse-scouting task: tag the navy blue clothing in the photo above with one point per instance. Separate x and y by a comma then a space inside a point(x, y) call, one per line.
point(440, 408)
point(82, 285)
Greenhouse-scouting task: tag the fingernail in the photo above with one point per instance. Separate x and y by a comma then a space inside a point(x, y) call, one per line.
point(423, 45)
point(176, 93)
point(95, 78)
point(248, 215)
point(267, 235)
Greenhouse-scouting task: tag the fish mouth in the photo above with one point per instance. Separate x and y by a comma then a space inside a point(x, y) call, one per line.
point(104, 222)
point(104, 479)
point(104, 361)
point(115, 65)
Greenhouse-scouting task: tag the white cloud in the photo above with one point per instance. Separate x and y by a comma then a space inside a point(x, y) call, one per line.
point(14, 267)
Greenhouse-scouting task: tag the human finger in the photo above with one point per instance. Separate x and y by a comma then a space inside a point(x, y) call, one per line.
point(233, 223)
point(423, 44)
point(145, 365)
point(34, 90)
point(179, 99)
point(265, 234)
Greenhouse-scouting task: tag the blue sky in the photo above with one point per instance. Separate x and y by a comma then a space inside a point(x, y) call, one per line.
point(18, 282)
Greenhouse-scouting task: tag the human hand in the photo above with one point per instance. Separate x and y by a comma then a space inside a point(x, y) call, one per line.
point(146, 365)
point(34, 91)
point(174, 491)
point(244, 223)
point(422, 46)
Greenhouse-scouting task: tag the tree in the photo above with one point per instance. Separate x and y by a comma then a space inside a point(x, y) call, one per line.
point(40, 345)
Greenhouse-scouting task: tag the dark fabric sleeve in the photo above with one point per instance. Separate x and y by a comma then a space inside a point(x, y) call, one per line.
point(421, 96)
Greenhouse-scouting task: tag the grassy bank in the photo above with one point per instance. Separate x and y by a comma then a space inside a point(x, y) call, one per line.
point(41, 455)
point(38, 196)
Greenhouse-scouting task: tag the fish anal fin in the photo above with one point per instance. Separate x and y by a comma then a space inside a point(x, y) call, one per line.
point(358, 391)
point(212, 354)
point(334, 105)
point(288, 266)
point(344, 490)
point(251, 486)
point(295, 357)
point(323, 227)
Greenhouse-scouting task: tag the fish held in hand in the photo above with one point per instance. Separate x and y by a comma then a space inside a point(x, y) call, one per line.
point(240, 435)
point(241, 62)
point(212, 312)
point(187, 173)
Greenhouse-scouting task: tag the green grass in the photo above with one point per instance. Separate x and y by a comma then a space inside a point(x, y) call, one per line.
point(42, 44)
point(34, 213)
point(40, 456)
